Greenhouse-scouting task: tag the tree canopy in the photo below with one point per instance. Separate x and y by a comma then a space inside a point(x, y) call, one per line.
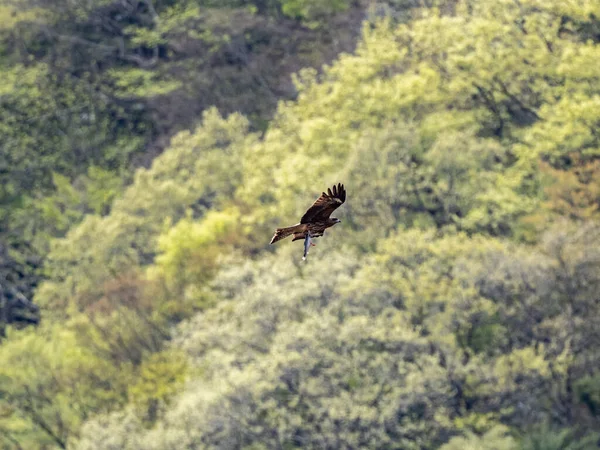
point(454, 307)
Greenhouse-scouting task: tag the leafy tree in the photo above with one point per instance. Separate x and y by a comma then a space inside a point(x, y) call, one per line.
point(93, 91)
point(457, 305)
point(548, 439)
point(195, 174)
point(497, 438)
point(48, 386)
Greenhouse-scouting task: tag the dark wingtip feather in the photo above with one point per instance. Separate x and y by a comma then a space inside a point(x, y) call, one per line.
point(329, 192)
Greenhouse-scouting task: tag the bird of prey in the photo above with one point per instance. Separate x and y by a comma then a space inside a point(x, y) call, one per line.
point(316, 219)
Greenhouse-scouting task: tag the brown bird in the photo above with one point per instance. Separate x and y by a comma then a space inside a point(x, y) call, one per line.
point(316, 219)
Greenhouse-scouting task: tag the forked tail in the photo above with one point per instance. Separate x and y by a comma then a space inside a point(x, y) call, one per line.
point(282, 233)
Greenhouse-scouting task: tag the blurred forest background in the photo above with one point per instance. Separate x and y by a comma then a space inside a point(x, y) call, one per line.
point(148, 148)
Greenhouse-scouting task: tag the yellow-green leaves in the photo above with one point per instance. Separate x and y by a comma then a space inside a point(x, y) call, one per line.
point(310, 10)
point(12, 15)
point(188, 252)
point(159, 378)
point(21, 77)
point(569, 127)
point(48, 378)
point(201, 171)
point(420, 322)
point(141, 83)
point(497, 438)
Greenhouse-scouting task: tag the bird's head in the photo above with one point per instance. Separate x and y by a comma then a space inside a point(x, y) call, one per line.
point(336, 220)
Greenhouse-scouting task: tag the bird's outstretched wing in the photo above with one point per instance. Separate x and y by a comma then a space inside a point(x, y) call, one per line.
point(325, 204)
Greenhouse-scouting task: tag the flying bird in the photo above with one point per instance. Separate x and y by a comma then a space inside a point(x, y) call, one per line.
point(316, 219)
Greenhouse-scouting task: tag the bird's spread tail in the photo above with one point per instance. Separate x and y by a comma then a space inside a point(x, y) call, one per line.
point(282, 233)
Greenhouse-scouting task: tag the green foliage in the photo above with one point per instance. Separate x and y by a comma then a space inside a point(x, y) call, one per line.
point(140, 83)
point(120, 430)
point(120, 324)
point(497, 438)
point(587, 390)
point(303, 368)
point(454, 307)
point(189, 251)
point(545, 438)
point(289, 355)
point(11, 15)
point(54, 127)
point(197, 173)
point(97, 89)
point(312, 9)
point(49, 384)
point(42, 218)
point(159, 378)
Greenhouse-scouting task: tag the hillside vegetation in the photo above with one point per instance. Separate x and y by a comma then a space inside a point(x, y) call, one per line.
point(92, 90)
point(456, 305)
